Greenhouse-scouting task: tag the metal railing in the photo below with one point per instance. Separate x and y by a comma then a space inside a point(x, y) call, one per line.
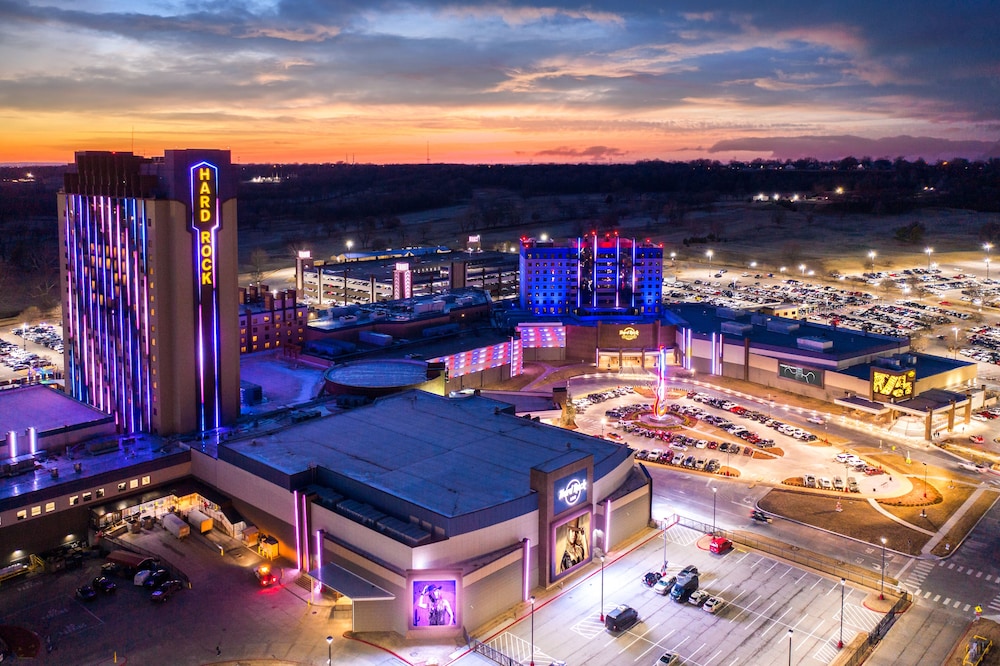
point(866, 648)
point(492, 653)
point(800, 556)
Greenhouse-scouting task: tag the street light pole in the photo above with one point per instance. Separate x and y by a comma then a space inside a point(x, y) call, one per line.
point(329, 651)
point(881, 589)
point(928, 251)
point(925, 480)
point(789, 647)
point(871, 255)
point(955, 329)
point(843, 584)
point(602, 590)
point(663, 533)
point(709, 254)
point(532, 600)
point(714, 491)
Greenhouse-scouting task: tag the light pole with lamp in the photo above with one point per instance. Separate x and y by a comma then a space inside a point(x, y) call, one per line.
point(24, 335)
point(955, 330)
point(329, 651)
point(532, 600)
point(782, 270)
point(881, 589)
point(602, 589)
point(802, 267)
point(872, 255)
point(663, 533)
point(987, 260)
point(714, 492)
point(709, 254)
point(928, 251)
point(604, 422)
point(843, 584)
point(925, 479)
point(789, 647)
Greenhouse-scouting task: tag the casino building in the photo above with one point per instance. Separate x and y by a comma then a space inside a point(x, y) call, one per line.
point(149, 298)
point(592, 275)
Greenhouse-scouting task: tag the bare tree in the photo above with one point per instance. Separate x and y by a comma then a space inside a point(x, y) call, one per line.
point(258, 262)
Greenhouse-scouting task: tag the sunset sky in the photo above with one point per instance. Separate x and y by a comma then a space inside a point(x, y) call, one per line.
point(509, 82)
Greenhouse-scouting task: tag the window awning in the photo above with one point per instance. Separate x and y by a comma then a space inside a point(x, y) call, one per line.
point(349, 584)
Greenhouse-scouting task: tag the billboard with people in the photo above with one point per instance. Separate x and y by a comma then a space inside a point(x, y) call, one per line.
point(571, 544)
point(434, 601)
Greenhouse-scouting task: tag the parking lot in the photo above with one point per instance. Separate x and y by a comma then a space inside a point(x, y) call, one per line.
point(224, 617)
point(763, 599)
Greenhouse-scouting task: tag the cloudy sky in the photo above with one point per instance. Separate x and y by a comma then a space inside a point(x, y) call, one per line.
point(392, 81)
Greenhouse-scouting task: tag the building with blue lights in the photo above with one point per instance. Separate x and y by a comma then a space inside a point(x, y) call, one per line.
point(149, 288)
point(592, 275)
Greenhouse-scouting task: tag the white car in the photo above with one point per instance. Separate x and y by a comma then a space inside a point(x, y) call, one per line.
point(667, 659)
point(825, 483)
point(713, 604)
point(698, 597)
point(818, 420)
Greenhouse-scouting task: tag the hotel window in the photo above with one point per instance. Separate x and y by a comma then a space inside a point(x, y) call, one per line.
point(100, 493)
point(50, 507)
point(36, 511)
point(22, 514)
point(133, 483)
point(145, 480)
point(74, 500)
point(121, 487)
point(88, 496)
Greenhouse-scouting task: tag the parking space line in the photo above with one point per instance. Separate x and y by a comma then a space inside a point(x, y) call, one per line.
point(945, 602)
point(957, 604)
point(775, 622)
point(799, 579)
point(818, 581)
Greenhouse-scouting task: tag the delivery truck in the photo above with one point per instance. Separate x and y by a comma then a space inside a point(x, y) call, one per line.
point(199, 521)
point(173, 524)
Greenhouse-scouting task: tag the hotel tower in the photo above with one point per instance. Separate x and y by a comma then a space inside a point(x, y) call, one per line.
point(149, 288)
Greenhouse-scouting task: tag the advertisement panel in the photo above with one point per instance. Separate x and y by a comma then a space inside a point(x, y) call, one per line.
point(570, 544)
point(892, 384)
point(434, 600)
point(802, 374)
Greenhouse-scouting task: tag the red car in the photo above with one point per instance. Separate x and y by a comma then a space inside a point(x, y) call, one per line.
point(720, 545)
point(977, 439)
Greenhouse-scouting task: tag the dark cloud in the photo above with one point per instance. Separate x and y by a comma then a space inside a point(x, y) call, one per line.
point(837, 147)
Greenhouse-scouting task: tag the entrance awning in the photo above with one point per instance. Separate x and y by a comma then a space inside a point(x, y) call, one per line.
point(859, 403)
point(349, 584)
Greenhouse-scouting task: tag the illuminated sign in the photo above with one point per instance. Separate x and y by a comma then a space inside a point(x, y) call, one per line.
point(895, 385)
point(573, 491)
point(205, 203)
point(800, 374)
point(570, 491)
point(205, 223)
point(628, 333)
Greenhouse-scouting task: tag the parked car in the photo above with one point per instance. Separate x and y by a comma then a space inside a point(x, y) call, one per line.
point(720, 545)
point(166, 590)
point(650, 579)
point(86, 593)
point(852, 485)
point(621, 618)
point(825, 483)
point(666, 659)
point(838, 483)
point(698, 597)
point(104, 585)
point(662, 586)
point(809, 480)
point(713, 604)
point(156, 578)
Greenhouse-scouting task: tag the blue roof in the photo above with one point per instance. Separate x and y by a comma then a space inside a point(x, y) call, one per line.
point(452, 457)
point(783, 333)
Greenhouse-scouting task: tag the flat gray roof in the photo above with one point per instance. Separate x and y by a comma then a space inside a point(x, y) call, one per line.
point(44, 407)
point(452, 456)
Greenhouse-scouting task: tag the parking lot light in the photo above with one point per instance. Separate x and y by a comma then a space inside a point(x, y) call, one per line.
point(881, 589)
point(928, 251)
point(602, 588)
point(843, 584)
point(714, 492)
point(789, 647)
point(329, 651)
point(532, 600)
